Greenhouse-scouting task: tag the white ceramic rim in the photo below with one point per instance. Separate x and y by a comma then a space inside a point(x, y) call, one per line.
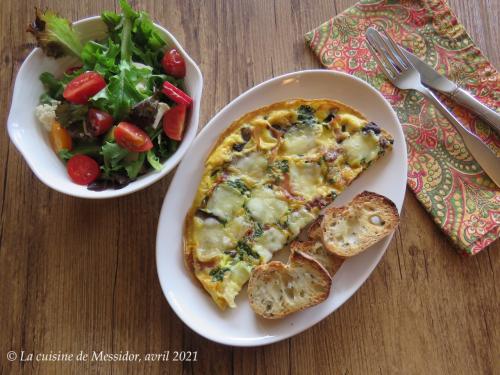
point(142, 182)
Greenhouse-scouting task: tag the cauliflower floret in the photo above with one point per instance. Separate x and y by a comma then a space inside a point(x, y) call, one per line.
point(46, 113)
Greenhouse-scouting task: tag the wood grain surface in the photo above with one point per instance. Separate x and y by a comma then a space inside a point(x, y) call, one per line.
point(79, 275)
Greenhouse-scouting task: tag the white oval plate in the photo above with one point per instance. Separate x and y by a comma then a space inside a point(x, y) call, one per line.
point(240, 326)
point(32, 140)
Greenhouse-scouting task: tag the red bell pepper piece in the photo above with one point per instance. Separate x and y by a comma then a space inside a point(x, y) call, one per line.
point(176, 94)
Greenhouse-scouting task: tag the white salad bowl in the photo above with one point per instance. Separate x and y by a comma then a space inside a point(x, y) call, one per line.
point(32, 140)
point(387, 176)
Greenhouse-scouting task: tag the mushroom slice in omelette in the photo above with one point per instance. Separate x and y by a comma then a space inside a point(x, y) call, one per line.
point(267, 177)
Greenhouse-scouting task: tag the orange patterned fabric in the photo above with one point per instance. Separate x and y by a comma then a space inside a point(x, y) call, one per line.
point(452, 187)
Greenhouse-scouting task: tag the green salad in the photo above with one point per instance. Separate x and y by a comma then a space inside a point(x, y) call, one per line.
point(121, 111)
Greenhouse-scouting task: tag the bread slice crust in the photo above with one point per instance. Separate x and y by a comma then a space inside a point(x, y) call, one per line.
point(317, 251)
point(314, 230)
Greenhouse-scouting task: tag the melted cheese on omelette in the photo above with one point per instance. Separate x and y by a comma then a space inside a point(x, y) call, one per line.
point(268, 177)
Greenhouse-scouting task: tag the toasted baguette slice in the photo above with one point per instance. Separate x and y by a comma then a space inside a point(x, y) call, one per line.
point(317, 251)
point(349, 230)
point(276, 290)
point(314, 230)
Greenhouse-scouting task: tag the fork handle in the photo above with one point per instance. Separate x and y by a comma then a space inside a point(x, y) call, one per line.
point(467, 100)
point(485, 157)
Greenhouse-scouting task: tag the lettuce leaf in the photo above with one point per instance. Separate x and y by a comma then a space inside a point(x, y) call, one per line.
point(124, 90)
point(154, 160)
point(130, 61)
point(112, 154)
point(117, 159)
point(134, 167)
point(72, 116)
point(146, 43)
point(129, 83)
point(102, 58)
point(54, 88)
point(55, 35)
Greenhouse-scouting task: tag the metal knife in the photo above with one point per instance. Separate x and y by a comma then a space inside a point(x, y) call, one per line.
point(436, 81)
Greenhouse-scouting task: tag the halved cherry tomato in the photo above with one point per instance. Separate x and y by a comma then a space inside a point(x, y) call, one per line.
point(176, 94)
point(81, 88)
point(82, 169)
point(173, 63)
point(100, 121)
point(173, 122)
point(60, 138)
point(132, 138)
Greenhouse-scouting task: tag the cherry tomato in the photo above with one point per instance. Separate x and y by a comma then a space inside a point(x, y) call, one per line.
point(173, 122)
point(100, 121)
point(60, 138)
point(81, 88)
point(132, 138)
point(173, 63)
point(176, 94)
point(82, 169)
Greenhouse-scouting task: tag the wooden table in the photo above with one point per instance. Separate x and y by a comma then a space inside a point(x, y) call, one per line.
point(79, 275)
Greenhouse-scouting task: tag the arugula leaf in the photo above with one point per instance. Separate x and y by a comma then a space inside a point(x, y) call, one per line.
point(132, 83)
point(117, 159)
point(134, 167)
point(54, 88)
point(166, 146)
point(101, 58)
point(148, 57)
point(140, 76)
point(45, 99)
point(144, 33)
point(127, 9)
point(155, 133)
point(148, 44)
point(112, 154)
point(114, 23)
point(65, 154)
point(154, 160)
point(111, 19)
point(55, 35)
point(123, 91)
point(126, 34)
point(92, 149)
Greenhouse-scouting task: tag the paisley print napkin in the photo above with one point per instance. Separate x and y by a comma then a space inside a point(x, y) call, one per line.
point(452, 187)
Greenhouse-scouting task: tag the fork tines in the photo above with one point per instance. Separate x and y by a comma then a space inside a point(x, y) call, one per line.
point(386, 53)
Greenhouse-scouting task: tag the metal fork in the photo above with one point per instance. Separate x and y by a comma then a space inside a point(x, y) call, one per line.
point(401, 72)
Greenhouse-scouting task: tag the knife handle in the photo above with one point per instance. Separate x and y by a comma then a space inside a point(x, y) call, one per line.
point(467, 100)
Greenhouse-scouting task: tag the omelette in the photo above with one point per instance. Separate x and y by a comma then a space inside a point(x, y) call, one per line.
point(267, 177)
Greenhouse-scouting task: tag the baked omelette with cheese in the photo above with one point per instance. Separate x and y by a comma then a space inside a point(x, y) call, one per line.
point(268, 176)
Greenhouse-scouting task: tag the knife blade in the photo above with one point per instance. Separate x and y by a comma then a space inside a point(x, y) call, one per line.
point(438, 82)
